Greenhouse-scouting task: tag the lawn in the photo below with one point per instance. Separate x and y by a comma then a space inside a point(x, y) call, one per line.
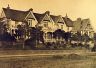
point(49, 61)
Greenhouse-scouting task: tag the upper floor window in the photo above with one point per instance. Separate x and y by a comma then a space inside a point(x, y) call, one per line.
point(61, 26)
point(29, 22)
point(45, 24)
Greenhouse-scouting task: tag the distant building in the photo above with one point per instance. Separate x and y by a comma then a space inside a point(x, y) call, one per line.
point(83, 26)
point(69, 23)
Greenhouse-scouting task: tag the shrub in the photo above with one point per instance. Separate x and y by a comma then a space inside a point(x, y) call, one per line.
point(74, 57)
point(93, 49)
point(30, 42)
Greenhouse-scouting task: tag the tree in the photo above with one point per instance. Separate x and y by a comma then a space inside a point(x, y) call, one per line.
point(20, 31)
point(67, 36)
point(36, 35)
point(58, 33)
point(62, 34)
point(76, 37)
point(8, 39)
point(85, 37)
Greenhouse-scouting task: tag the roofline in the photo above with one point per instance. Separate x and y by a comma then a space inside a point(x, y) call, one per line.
point(16, 10)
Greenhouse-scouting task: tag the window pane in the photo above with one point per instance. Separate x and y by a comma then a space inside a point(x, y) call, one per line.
point(45, 24)
point(29, 22)
point(61, 26)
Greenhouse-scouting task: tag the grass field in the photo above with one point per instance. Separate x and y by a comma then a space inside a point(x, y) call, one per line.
point(53, 61)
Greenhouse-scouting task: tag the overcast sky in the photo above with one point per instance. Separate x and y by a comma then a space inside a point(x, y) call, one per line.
point(73, 8)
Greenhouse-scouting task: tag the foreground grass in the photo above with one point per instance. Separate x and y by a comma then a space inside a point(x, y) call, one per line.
point(55, 61)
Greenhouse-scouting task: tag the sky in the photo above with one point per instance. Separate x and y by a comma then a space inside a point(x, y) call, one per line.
point(74, 8)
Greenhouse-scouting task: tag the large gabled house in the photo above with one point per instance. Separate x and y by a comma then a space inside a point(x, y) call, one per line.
point(12, 18)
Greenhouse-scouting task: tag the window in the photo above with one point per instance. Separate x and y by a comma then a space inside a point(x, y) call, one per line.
point(45, 24)
point(61, 26)
point(30, 22)
point(45, 36)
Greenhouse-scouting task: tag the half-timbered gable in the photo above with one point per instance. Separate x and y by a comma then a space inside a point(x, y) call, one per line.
point(30, 18)
point(45, 21)
point(59, 22)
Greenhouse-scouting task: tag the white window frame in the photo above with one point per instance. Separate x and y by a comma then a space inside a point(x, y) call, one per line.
point(46, 23)
point(29, 22)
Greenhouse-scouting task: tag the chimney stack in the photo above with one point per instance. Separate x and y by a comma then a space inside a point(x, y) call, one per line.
point(47, 12)
point(8, 7)
point(66, 15)
point(59, 16)
point(78, 19)
point(30, 9)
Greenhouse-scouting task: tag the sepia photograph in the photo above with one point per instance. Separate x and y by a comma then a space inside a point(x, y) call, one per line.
point(47, 33)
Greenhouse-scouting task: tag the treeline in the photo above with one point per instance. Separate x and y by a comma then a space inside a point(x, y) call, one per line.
point(36, 39)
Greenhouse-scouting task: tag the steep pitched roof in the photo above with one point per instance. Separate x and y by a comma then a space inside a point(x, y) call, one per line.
point(56, 18)
point(76, 26)
point(68, 22)
point(15, 15)
point(85, 23)
point(39, 17)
